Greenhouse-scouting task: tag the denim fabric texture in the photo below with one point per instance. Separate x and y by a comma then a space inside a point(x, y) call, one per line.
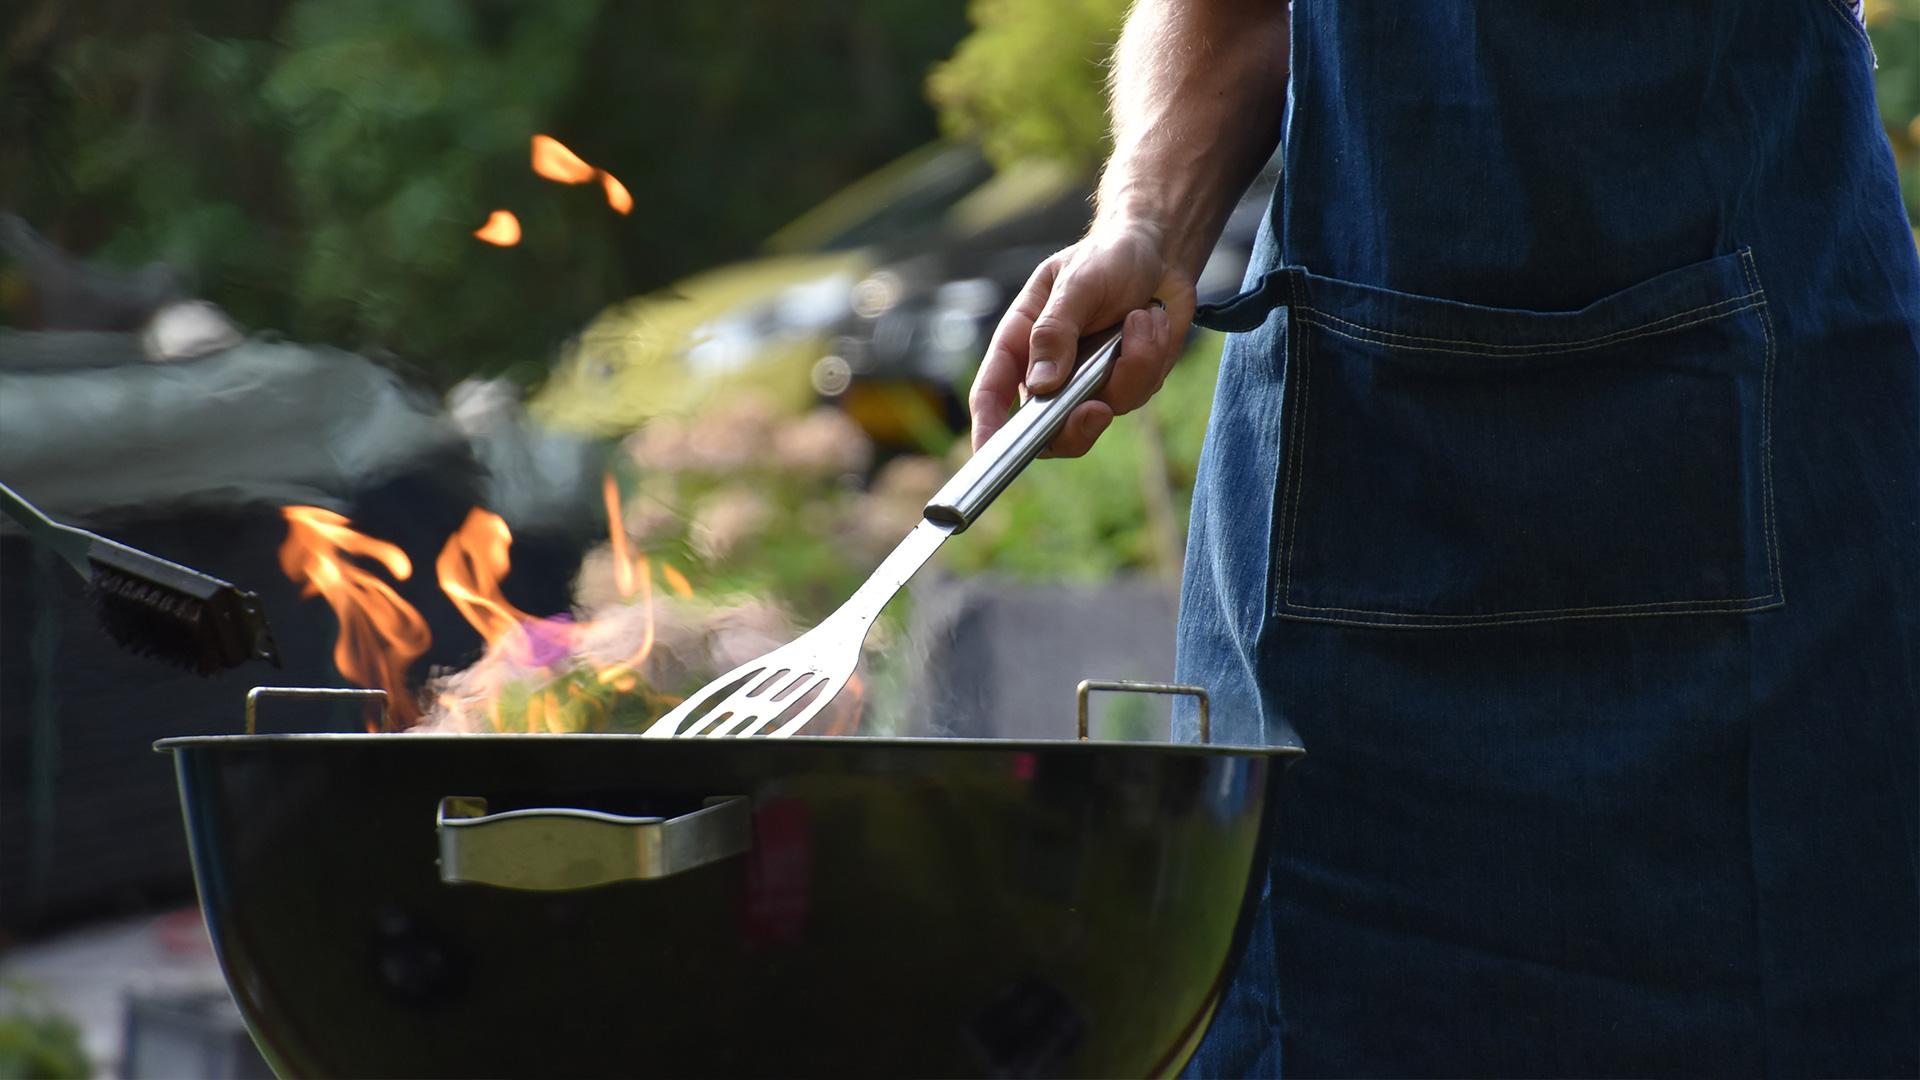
point(1562, 498)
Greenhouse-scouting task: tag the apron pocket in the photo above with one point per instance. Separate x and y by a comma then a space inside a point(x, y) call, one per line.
point(1447, 464)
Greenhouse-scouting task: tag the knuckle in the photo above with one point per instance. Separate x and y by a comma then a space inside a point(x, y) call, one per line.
point(1053, 330)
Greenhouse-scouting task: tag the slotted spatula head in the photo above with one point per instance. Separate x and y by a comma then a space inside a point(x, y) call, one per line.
point(778, 693)
point(774, 695)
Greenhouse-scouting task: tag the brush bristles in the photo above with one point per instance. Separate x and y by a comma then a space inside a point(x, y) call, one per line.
point(174, 614)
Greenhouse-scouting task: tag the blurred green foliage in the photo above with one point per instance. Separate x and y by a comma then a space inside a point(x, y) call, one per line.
point(319, 165)
point(1089, 519)
point(1029, 82)
point(39, 1043)
point(750, 501)
point(1894, 26)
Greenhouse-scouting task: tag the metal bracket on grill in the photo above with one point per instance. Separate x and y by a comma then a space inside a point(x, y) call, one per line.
point(1126, 686)
point(554, 849)
point(254, 695)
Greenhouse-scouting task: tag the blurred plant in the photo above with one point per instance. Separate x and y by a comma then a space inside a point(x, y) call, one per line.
point(40, 1043)
point(756, 501)
point(782, 508)
point(1894, 26)
point(764, 510)
point(1124, 717)
point(779, 516)
point(1029, 81)
point(1091, 518)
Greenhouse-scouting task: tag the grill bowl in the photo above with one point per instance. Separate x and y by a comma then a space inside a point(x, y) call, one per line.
point(922, 907)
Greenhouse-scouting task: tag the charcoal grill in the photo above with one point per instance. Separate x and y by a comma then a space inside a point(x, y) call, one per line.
point(548, 905)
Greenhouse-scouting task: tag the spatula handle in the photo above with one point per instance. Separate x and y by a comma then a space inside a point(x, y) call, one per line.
point(1025, 435)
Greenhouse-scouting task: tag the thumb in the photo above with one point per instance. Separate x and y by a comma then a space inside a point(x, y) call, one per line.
point(1055, 342)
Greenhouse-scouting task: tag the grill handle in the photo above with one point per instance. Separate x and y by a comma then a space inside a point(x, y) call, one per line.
point(557, 849)
point(1127, 686)
point(310, 693)
point(1011, 449)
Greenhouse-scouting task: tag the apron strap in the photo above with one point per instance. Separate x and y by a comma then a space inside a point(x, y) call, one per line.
point(1250, 308)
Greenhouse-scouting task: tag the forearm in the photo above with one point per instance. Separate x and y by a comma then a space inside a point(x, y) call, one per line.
point(1197, 95)
point(1198, 91)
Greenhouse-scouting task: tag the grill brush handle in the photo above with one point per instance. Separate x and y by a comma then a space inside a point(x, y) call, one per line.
point(558, 849)
point(1026, 434)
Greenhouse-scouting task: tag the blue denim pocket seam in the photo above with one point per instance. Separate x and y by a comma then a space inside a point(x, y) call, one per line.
point(1766, 430)
point(1414, 343)
point(1286, 605)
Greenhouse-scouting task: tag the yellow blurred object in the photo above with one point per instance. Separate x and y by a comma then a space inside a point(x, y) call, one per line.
point(762, 325)
point(1876, 13)
point(893, 413)
point(672, 351)
point(934, 165)
point(1014, 190)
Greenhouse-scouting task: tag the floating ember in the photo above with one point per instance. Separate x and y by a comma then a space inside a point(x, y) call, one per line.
point(501, 230)
point(552, 160)
point(617, 195)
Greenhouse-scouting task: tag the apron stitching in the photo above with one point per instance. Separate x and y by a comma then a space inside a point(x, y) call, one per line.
point(1297, 478)
point(1717, 603)
point(1411, 623)
point(1299, 432)
point(1315, 317)
point(1766, 435)
point(1625, 334)
point(1854, 24)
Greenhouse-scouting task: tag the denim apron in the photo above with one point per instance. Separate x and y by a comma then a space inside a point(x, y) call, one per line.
point(1562, 498)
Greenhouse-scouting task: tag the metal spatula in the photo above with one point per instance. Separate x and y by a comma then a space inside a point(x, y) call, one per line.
point(776, 694)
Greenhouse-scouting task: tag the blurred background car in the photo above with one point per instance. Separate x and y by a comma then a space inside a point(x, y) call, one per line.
point(903, 355)
point(880, 301)
point(758, 322)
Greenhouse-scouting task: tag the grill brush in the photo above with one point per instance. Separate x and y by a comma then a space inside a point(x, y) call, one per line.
point(155, 607)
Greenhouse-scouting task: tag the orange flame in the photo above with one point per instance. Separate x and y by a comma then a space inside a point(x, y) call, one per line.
point(617, 194)
point(380, 633)
point(502, 229)
point(469, 569)
point(617, 537)
point(631, 573)
point(554, 161)
point(676, 581)
point(559, 663)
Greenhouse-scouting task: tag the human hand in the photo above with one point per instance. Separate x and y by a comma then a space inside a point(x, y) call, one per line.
point(1116, 273)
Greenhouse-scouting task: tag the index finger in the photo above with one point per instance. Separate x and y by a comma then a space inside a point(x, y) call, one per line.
point(997, 385)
